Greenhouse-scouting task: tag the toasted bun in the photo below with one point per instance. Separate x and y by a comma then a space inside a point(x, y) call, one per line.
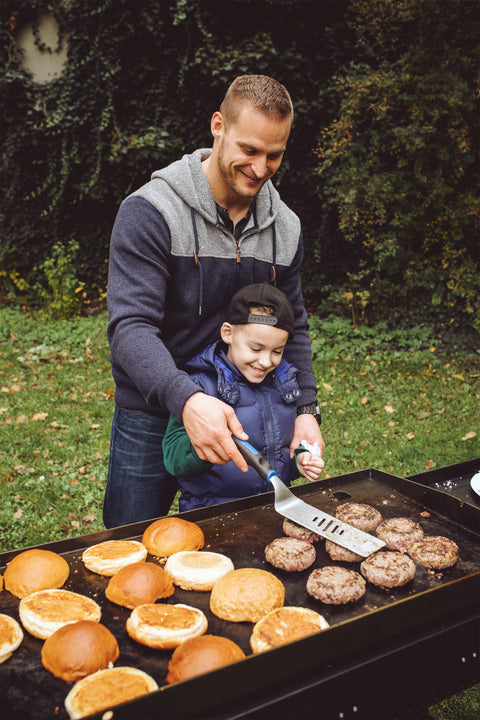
point(165, 626)
point(137, 584)
point(170, 535)
point(45, 611)
point(34, 570)
point(284, 625)
point(106, 688)
point(79, 649)
point(11, 636)
point(108, 557)
point(200, 655)
point(197, 570)
point(246, 594)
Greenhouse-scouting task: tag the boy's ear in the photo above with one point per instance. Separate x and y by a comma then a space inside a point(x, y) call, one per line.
point(226, 333)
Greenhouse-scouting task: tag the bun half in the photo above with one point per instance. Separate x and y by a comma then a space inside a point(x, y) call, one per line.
point(170, 535)
point(79, 649)
point(33, 570)
point(137, 584)
point(200, 655)
point(246, 595)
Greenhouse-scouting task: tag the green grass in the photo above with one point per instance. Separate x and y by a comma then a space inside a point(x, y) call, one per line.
point(395, 401)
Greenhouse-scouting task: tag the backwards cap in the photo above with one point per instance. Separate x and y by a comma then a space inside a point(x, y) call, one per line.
point(262, 294)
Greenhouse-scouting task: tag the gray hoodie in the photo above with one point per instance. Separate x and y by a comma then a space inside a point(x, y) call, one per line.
point(173, 269)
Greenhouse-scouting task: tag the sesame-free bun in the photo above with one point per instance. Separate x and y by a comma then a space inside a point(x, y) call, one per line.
point(196, 569)
point(106, 558)
point(200, 655)
point(137, 584)
point(284, 625)
point(35, 569)
point(169, 535)
point(163, 626)
point(45, 611)
point(106, 688)
point(246, 595)
point(11, 636)
point(79, 649)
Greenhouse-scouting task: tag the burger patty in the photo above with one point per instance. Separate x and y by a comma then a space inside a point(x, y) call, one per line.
point(340, 554)
point(398, 533)
point(288, 553)
point(335, 585)
point(388, 568)
point(435, 552)
point(300, 533)
point(361, 516)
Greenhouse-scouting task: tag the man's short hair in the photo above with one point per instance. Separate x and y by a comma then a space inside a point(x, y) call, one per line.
point(261, 92)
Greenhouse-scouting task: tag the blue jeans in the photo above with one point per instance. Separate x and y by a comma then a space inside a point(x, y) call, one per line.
point(138, 486)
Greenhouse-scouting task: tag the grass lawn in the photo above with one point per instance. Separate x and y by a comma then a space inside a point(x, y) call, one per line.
point(398, 403)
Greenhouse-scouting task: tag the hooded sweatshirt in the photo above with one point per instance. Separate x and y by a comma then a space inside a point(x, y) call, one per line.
point(267, 412)
point(173, 270)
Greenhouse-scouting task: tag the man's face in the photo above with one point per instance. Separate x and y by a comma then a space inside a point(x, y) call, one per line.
point(250, 151)
point(254, 349)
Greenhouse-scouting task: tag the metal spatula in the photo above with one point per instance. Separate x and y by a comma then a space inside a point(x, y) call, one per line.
point(308, 516)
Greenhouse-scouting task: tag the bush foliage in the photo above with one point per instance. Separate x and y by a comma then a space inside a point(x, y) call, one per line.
point(380, 165)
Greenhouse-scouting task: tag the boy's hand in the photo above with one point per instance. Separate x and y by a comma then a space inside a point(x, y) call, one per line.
point(310, 466)
point(210, 424)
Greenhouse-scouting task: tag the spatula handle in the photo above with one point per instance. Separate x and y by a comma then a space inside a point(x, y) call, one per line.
point(253, 457)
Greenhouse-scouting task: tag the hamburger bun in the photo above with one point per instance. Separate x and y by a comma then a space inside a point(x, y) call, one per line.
point(11, 636)
point(246, 595)
point(106, 688)
point(35, 569)
point(284, 625)
point(137, 584)
point(200, 655)
point(108, 557)
point(79, 649)
point(165, 626)
point(197, 570)
point(169, 535)
point(45, 611)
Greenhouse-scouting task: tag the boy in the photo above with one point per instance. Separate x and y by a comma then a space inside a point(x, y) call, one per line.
point(246, 369)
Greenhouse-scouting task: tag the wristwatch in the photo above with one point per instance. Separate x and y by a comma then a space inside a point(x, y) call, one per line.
point(311, 409)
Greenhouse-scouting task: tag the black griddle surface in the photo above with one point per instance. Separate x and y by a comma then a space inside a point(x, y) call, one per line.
point(241, 530)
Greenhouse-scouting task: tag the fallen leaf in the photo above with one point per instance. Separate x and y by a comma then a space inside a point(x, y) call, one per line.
point(89, 518)
point(18, 513)
point(459, 377)
point(3, 410)
point(410, 435)
point(388, 408)
point(327, 387)
point(22, 419)
point(429, 464)
point(469, 435)
point(40, 416)
point(364, 400)
point(95, 426)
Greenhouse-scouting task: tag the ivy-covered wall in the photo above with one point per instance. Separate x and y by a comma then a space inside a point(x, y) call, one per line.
point(142, 80)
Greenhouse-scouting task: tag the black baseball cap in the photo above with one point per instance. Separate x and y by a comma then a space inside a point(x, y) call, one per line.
point(262, 294)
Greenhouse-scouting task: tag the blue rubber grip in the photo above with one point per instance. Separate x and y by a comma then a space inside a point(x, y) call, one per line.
point(254, 458)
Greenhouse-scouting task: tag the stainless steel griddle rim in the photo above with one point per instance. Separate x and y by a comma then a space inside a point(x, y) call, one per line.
point(276, 668)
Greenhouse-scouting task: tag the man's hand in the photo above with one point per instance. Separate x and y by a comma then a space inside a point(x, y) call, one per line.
point(306, 428)
point(210, 424)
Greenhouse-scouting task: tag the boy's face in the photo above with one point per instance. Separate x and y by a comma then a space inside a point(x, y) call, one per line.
point(254, 349)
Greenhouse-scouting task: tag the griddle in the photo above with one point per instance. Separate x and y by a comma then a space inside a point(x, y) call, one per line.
point(375, 643)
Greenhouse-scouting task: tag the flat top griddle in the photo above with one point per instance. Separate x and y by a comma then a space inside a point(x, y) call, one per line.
point(241, 530)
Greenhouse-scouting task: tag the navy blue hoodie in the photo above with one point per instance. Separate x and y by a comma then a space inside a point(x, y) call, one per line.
point(173, 270)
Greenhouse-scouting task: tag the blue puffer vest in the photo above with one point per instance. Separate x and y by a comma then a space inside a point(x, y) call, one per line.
point(267, 412)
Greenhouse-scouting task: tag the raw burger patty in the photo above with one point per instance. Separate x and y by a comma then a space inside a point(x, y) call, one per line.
point(288, 553)
point(398, 533)
point(335, 585)
point(435, 552)
point(361, 516)
point(297, 531)
point(388, 569)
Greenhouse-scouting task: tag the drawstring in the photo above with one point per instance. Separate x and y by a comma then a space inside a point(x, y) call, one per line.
point(273, 277)
point(197, 259)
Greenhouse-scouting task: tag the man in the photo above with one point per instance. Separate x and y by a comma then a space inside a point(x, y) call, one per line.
point(182, 245)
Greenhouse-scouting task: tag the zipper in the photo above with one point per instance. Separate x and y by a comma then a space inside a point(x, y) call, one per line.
point(269, 430)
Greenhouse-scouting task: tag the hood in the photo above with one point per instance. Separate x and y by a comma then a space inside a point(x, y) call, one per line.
point(188, 181)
